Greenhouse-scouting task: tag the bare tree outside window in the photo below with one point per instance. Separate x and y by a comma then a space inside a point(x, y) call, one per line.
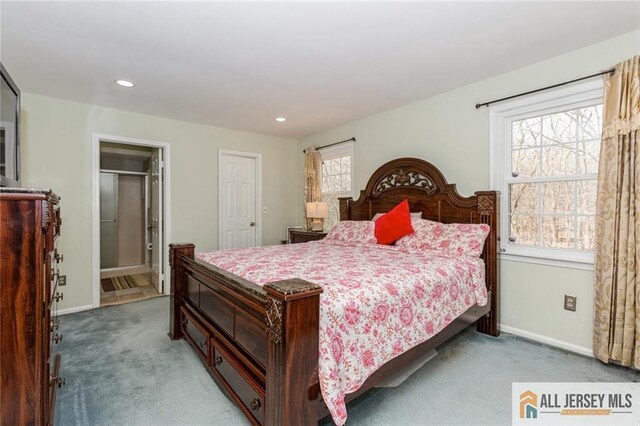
point(336, 182)
point(552, 183)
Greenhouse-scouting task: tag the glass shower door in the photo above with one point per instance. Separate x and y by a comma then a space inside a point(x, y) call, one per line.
point(108, 220)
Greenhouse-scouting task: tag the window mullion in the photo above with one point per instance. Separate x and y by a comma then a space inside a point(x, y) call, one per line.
point(539, 215)
point(565, 178)
point(540, 231)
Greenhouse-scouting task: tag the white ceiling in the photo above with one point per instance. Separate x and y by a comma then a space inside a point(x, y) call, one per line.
point(239, 65)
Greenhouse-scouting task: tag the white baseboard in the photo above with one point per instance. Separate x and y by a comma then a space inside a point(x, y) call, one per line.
point(74, 310)
point(548, 340)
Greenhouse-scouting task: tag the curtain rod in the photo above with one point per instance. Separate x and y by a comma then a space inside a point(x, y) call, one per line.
point(332, 144)
point(610, 71)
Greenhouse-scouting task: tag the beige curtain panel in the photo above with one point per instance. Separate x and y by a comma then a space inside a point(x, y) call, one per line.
point(616, 334)
point(312, 178)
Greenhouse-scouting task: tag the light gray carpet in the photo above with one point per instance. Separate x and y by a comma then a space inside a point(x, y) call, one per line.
point(122, 369)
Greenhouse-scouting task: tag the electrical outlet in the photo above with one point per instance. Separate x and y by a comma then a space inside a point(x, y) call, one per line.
point(62, 280)
point(570, 302)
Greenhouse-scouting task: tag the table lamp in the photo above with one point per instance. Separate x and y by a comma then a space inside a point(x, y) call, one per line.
point(317, 211)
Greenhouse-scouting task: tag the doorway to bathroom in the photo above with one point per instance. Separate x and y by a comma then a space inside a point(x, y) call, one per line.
point(131, 204)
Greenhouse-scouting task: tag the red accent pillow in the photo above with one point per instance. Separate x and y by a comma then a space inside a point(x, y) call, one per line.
point(394, 225)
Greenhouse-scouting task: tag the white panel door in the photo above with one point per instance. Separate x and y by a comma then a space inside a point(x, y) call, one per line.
point(238, 201)
point(156, 222)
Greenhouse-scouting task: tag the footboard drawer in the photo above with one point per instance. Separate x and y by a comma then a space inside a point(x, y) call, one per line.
point(196, 334)
point(248, 393)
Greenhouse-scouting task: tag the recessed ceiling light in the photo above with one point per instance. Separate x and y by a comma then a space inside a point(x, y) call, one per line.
point(281, 119)
point(124, 83)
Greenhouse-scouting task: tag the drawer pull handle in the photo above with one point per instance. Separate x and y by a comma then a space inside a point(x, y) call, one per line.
point(59, 297)
point(203, 344)
point(218, 360)
point(54, 325)
point(57, 338)
point(256, 404)
point(60, 381)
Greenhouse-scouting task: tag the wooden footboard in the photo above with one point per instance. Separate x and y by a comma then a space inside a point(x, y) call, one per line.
point(259, 344)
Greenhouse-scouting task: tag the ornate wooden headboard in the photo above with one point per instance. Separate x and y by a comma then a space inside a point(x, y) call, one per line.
point(428, 192)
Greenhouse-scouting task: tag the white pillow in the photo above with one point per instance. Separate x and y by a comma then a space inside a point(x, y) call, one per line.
point(414, 215)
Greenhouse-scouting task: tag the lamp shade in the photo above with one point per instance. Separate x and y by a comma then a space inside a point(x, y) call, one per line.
point(317, 210)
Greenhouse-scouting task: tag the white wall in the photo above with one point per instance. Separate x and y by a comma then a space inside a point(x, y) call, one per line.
point(56, 153)
point(448, 131)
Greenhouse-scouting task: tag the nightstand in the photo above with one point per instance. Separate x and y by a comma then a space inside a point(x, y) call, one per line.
point(303, 235)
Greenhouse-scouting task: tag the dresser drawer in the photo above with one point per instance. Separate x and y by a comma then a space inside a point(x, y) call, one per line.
point(197, 335)
point(56, 296)
point(55, 383)
point(249, 393)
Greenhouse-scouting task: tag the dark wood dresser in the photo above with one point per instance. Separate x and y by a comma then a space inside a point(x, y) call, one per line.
point(303, 235)
point(29, 371)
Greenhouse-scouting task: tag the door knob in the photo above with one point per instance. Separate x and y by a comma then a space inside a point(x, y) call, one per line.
point(252, 224)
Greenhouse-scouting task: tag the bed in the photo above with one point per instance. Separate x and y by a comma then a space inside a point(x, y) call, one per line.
point(268, 341)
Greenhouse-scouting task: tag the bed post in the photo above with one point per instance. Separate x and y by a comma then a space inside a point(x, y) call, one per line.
point(178, 282)
point(488, 202)
point(293, 325)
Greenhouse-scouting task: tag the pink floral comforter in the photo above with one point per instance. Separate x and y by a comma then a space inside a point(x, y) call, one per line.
point(378, 301)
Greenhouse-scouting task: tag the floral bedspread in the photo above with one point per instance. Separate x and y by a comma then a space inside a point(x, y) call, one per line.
point(378, 301)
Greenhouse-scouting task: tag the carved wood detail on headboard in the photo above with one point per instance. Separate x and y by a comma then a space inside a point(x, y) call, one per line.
point(429, 192)
point(402, 177)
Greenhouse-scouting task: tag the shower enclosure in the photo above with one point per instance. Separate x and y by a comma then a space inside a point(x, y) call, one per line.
point(123, 236)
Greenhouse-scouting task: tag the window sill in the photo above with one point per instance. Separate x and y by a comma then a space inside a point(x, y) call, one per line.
point(568, 264)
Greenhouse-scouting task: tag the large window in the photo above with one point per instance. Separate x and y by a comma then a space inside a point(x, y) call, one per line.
point(545, 162)
point(337, 178)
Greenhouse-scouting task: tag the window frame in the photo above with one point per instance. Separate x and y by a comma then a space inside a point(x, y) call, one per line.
point(501, 117)
point(337, 151)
